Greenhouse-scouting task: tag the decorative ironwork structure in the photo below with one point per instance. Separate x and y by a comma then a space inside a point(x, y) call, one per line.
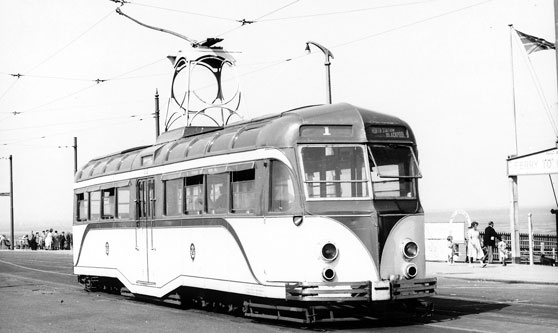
point(204, 85)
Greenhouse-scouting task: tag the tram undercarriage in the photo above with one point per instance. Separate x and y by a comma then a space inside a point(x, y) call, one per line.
point(302, 306)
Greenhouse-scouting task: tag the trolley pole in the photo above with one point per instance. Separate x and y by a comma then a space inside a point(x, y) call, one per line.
point(327, 53)
point(156, 113)
point(75, 155)
point(12, 203)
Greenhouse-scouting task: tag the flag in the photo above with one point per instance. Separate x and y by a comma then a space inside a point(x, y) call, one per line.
point(534, 44)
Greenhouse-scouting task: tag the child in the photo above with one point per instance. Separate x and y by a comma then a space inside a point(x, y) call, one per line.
point(502, 252)
point(451, 250)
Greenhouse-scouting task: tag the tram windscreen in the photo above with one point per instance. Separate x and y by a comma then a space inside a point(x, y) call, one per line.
point(335, 171)
point(394, 169)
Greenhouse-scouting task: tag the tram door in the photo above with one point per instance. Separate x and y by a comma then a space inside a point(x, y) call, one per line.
point(145, 213)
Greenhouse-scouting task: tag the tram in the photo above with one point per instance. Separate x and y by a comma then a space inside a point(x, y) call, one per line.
point(289, 215)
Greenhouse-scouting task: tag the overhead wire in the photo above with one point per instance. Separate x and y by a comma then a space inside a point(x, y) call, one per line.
point(182, 11)
point(413, 23)
point(244, 22)
point(69, 43)
point(343, 44)
point(96, 82)
point(70, 123)
point(73, 130)
point(341, 12)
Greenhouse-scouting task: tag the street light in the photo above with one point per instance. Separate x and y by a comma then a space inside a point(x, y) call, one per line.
point(327, 54)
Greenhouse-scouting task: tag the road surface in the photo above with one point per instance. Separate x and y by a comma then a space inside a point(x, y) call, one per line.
point(38, 292)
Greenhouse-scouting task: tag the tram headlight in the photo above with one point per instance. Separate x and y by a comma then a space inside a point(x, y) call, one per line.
point(410, 249)
point(410, 271)
point(328, 274)
point(329, 252)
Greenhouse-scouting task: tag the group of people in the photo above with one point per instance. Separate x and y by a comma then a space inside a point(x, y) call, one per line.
point(480, 249)
point(47, 240)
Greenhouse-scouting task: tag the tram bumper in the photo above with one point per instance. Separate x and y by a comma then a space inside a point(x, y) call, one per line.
point(363, 291)
point(415, 288)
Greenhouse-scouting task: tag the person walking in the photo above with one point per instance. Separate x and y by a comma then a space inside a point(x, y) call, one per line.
point(475, 247)
point(48, 240)
point(62, 241)
point(489, 238)
point(56, 240)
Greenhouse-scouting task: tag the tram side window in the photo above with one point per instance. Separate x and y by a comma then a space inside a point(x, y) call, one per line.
point(95, 204)
point(218, 193)
point(194, 195)
point(173, 197)
point(123, 199)
point(243, 191)
point(82, 206)
point(109, 203)
point(282, 188)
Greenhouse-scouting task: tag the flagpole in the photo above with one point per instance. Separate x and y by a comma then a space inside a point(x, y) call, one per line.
point(513, 89)
point(556, 43)
point(514, 198)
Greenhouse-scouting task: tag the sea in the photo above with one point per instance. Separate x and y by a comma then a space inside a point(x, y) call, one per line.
point(543, 221)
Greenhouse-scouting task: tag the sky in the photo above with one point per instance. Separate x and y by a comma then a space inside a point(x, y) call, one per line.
point(442, 66)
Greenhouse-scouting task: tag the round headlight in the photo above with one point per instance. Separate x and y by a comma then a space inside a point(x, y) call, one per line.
point(410, 250)
point(329, 252)
point(328, 273)
point(411, 271)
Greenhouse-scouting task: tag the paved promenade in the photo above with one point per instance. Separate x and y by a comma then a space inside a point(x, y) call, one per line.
point(512, 273)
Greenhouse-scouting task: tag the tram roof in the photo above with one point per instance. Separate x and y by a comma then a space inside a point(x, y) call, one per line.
point(339, 123)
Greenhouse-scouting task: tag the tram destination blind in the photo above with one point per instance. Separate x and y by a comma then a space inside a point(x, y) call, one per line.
point(387, 132)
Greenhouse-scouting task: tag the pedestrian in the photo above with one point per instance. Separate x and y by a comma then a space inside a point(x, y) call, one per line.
point(489, 238)
point(56, 240)
point(48, 240)
point(62, 241)
point(69, 240)
point(502, 252)
point(467, 245)
point(40, 240)
point(33, 241)
point(450, 250)
point(474, 244)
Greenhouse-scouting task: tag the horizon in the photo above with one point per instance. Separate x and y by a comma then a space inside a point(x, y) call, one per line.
point(78, 69)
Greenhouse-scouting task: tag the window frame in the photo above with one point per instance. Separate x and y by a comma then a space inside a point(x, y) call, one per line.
point(179, 210)
point(366, 180)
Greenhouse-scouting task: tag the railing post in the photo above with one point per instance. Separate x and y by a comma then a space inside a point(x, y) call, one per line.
point(530, 228)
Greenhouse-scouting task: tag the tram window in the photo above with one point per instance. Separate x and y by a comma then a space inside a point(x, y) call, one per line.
point(123, 198)
point(393, 171)
point(109, 207)
point(218, 193)
point(194, 195)
point(173, 197)
point(82, 206)
point(335, 171)
point(95, 204)
point(282, 188)
point(243, 191)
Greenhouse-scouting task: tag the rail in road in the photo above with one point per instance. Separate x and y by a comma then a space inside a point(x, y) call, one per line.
point(38, 291)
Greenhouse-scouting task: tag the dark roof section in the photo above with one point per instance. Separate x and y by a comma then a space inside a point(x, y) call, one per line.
point(279, 130)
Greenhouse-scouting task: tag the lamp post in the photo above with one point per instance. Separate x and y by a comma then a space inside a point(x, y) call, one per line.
point(11, 194)
point(327, 53)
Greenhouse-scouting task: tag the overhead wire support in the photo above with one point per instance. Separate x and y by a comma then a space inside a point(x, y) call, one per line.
point(245, 22)
point(121, 2)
